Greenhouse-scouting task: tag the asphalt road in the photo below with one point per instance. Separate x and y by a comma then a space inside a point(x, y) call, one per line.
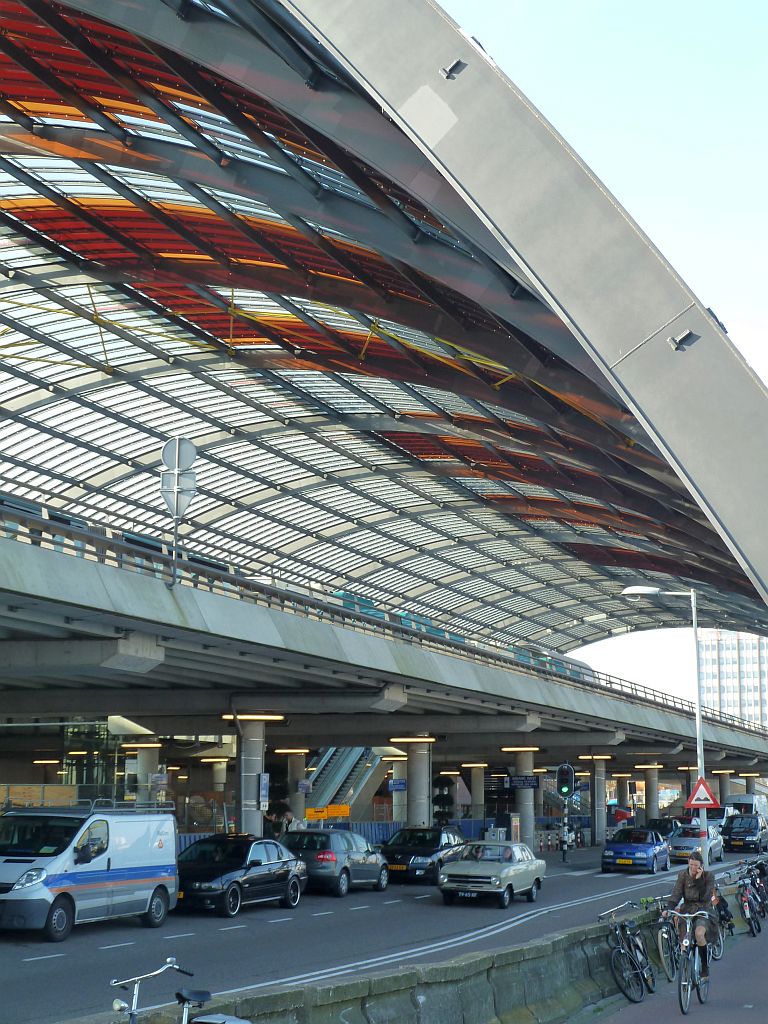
point(267, 946)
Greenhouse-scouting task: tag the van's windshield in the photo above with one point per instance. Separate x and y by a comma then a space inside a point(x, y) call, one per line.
point(36, 835)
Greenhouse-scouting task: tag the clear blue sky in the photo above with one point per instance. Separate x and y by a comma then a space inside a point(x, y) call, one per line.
point(666, 102)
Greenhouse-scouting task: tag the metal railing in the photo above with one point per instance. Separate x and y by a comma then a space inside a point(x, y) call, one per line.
point(109, 547)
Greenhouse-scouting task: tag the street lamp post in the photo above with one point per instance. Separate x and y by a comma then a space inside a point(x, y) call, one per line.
point(634, 594)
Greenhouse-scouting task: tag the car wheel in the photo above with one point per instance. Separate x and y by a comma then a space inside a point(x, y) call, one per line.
point(505, 897)
point(341, 888)
point(667, 863)
point(233, 900)
point(436, 872)
point(533, 893)
point(292, 893)
point(383, 880)
point(605, 869)
point(654, 866)
point(157, 910)
point(61, 918)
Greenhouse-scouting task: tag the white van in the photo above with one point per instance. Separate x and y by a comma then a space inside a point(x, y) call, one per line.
point(60, 867)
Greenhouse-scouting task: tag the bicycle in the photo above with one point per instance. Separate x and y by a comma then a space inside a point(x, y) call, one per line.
point(631, 966)
point(748, 905)
point(667, 939)
point(185, 997)
point(689, 969)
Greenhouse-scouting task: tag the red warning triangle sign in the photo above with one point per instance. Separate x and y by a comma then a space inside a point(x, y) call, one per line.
point(701, 796)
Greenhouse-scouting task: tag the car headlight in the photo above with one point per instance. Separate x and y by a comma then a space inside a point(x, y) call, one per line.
point(31, 877)
point(495, 880)
point(443, 879)
point(420, 862)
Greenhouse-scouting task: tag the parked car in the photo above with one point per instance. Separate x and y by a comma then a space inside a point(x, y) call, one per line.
point(419, 853)
point(225, 872)
point(745, 832)
point(687, 840)
point(666, 827)
point(338, 860)
point(638, 848)
point(489, 868)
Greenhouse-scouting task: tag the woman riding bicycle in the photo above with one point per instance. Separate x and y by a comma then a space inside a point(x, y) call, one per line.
point(696, 887)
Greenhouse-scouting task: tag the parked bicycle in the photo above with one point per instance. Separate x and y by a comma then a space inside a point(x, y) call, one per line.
point(186, 998)
point(755, 871)
point(748, 904)
point(631, 966)
point(667, 940)
point(689, 971)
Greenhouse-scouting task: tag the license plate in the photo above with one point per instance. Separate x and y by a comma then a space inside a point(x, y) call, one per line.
point(467, 895)
point(623, 860)
point(737, 842)
point(397, 867)
point(179, 895)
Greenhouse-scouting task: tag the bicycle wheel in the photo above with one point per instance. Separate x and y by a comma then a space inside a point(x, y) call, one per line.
point(754, 917)
point(641, 955)
point(684, 981)
point(717, 948)
point(702, 981)
point(666, 942)
point(627, 975)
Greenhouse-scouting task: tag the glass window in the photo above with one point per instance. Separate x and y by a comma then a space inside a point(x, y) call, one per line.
point(95, 837)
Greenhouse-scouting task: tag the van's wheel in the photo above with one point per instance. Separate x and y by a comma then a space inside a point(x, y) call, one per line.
point(292, 894)
point(60, 919)
point(505, 897)
point(233, 900)
point(157, 911)
point(533, 893)
point(383, 880)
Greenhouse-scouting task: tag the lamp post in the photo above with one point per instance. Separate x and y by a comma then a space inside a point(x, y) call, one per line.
point(634, 594)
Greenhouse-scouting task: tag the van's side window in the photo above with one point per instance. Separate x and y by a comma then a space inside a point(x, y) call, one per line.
point(96, 837)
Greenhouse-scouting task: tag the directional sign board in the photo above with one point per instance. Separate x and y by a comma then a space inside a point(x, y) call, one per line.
point(701, 796)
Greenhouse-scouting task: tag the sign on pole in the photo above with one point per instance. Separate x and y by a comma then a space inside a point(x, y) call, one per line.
point(701, 796)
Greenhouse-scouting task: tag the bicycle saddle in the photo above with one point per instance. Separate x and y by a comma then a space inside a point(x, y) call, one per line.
point(631, 925)
point(192, 995)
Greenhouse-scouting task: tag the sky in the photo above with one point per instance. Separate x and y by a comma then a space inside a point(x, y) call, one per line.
point(666, 102)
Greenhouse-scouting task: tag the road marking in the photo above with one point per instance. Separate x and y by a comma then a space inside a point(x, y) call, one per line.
point(51, 956)
point(180, 935)
point(388, 903)
point(323, 913)
point(428, 895)
point(118, 945)
point(231, 927)
point(277, 920)
point(365, 906)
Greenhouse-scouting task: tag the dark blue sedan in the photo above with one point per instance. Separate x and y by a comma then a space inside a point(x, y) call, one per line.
point(636, 849)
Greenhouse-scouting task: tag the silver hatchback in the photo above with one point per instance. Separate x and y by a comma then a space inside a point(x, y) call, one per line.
point(338, 860)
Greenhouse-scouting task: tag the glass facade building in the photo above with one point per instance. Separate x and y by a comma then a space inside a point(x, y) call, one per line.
point(734, 673)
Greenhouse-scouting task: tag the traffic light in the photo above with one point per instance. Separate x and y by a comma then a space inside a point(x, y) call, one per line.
point(566, 781)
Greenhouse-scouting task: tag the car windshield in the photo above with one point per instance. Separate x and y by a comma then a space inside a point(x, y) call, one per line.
point(632, 835)
point(741, 823)
point(306, 841)
point(688, 833)
point(207, 852)
point(486, 852)
point(31, 835)
point(415, 837)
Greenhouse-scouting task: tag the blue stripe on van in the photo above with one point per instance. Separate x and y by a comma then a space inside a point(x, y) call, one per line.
point(113, 876)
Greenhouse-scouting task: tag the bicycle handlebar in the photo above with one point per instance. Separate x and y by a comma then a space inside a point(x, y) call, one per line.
point(689, 917)
point(613, 910)
point(170, 964)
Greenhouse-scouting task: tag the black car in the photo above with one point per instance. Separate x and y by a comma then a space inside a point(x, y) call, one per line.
point(338, 860)
point(745, 832)
point(419, 852)
point(225, 872)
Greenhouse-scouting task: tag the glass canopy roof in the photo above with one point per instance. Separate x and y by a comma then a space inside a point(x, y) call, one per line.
point(377, 408)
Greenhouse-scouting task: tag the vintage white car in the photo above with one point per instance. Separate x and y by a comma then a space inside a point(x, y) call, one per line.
point(490, 868)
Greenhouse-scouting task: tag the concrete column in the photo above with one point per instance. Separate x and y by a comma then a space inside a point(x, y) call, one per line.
point(622, 792)
point(524, 766)
point(147, 762)
point(723, 787)
point(597, 793)
point(399, 796)
point(749, 785)
point(651, 793)
point(297, 801)
point(538, 798)
point(419, 792)
point(250, 763)
point(219, 776)
point(477, 788)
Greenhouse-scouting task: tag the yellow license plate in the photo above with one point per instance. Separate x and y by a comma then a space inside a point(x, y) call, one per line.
point(397, 867)
point(623, 860)
point(179, 895)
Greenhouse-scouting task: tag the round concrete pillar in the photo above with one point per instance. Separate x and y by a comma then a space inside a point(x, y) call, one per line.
point(723, 787)
point(147, 763)
point(749, 785)
point(477, 784)
point(524, 802)
point(622, 792)
point(219, 772)
point(419, 792)
point(250, 763)
point(651, 793)
point(399, 796)
point(297, 801)
point(597, 794)
point(538, 798)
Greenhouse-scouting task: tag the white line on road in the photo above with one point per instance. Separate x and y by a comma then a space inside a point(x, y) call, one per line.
point(428, 896)
point(277, 920)
point(388, 903)
point(180, 935)
point(51, 956)
point(118, 945)
point(231, 927)
point(365, 906)
point(323, 913)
